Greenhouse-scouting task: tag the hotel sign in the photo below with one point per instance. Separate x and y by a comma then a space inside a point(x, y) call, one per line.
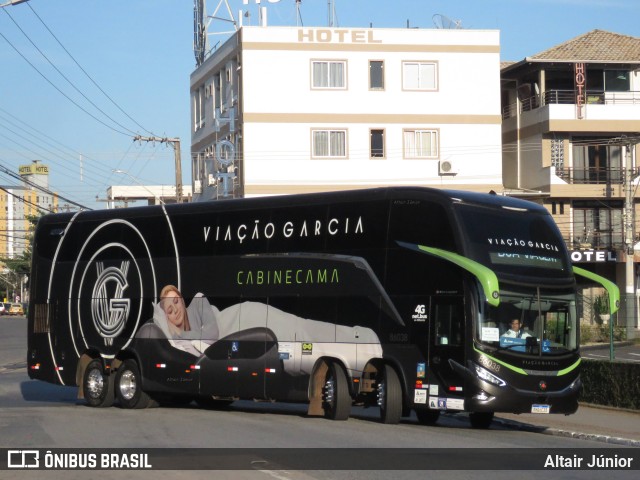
point(592, 256)
point(580, 89)
point(33, 169)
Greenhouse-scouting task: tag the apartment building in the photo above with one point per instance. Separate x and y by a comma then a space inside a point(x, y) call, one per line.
point(279, 110)
point(571, 129)
point(18, 203)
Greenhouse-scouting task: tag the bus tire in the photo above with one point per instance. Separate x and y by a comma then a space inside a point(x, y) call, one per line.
point(128, 386)
point(97, 386)
point(481, 420)
point(336, 400)
point(389, 396)
point(428, 417)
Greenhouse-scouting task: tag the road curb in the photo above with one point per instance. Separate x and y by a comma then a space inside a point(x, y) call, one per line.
point(567, 433)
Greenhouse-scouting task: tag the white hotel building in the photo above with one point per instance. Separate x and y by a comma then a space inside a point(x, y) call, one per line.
point(303, 109)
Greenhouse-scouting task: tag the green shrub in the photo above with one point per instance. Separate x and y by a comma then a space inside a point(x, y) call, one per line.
point(610, 383)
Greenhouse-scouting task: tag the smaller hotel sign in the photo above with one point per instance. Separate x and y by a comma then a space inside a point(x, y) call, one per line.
point(592, 256)
point(580, 89)
point(33, 169)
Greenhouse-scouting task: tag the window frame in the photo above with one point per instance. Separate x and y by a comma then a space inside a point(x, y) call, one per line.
point(329, 62)
point(413, 155)
point(329, 156)
point(420, 64)
point(382, 72)
point(384, 146)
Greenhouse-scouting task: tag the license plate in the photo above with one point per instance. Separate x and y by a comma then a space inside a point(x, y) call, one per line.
point(540, 408)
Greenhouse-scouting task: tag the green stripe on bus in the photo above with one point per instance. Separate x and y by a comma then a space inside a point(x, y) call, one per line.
point(611, 288)
point(487, 277)
point(569, 368)
point(523, 372)
point(504, 364)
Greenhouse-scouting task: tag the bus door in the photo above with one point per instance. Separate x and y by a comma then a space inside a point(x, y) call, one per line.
point(446, 341)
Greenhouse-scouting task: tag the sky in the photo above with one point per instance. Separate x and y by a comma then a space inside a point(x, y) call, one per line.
point(79, 79)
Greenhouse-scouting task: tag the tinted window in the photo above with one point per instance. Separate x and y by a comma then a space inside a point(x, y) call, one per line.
point(513, 241)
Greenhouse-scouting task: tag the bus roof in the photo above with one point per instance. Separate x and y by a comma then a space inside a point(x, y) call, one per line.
point(378, 193)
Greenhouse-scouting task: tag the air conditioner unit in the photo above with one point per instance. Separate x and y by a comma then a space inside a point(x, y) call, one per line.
point(447, 167)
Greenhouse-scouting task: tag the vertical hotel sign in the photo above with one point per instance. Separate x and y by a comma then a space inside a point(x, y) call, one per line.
point(580, 76)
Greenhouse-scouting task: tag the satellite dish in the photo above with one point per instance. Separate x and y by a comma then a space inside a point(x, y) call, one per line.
point(446, 23)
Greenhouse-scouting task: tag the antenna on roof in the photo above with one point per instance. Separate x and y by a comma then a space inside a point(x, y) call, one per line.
point(332, 19)
point(444, 22)
point(298, 14)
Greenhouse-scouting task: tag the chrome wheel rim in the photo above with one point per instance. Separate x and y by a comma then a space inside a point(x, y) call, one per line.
point(95, 383)
point(127, 385)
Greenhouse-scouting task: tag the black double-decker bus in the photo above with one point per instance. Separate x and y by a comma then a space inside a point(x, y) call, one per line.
point(398, 298)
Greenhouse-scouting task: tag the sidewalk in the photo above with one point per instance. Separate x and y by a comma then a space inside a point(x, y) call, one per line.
point(592, 422)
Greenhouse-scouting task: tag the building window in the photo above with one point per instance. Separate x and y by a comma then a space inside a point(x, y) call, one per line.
point(419, 76)
point(596, 163)
point(376, 75)
point(328, 74)
point(198, 108)
point(329, 143)
point(420, 144)
point(617, 81)
point(376, 144)
point(597, 224)
point(554, 208)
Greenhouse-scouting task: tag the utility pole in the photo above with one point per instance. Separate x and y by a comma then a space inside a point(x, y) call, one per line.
point(629, 238)
point(175, 143)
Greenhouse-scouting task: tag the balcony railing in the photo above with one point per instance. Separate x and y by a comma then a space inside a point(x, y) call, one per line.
point(591, 97)
point(598, 240)
point(596, 176)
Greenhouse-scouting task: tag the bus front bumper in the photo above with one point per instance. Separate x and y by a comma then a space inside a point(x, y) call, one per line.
point(483, 395)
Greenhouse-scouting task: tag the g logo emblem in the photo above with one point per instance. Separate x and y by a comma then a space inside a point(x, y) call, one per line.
point(109, 309)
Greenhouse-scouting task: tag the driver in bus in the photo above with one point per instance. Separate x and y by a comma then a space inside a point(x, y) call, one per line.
point(516, 330)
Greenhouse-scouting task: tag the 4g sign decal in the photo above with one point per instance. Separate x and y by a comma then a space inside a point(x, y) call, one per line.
point(420, 313)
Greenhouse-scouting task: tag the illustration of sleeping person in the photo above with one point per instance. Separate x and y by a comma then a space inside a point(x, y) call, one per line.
point(196, 327)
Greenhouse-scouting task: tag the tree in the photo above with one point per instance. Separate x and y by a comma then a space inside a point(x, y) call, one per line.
point(22, 265)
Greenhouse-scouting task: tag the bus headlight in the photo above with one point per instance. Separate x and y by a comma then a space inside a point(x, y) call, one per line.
point(487, 376)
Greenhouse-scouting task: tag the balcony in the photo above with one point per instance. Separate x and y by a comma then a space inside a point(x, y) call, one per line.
point(592, 176)
point(568, 97)
point(595, 239)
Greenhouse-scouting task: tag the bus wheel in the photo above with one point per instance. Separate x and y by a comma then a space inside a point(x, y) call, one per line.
point(97, 387)
point(428, 417)
point(389, 396)
point(128, 391)
point(481, 419)
point(336, 400)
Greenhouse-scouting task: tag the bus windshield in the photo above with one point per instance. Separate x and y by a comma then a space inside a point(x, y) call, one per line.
point(513, 242)
point(534, 322)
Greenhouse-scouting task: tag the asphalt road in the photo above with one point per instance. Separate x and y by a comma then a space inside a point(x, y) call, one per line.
point(623, 352)
point(35, 414)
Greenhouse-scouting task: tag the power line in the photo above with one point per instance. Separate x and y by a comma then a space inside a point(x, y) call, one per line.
point(59, 90)
point(86, 74)
point(39, 187)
